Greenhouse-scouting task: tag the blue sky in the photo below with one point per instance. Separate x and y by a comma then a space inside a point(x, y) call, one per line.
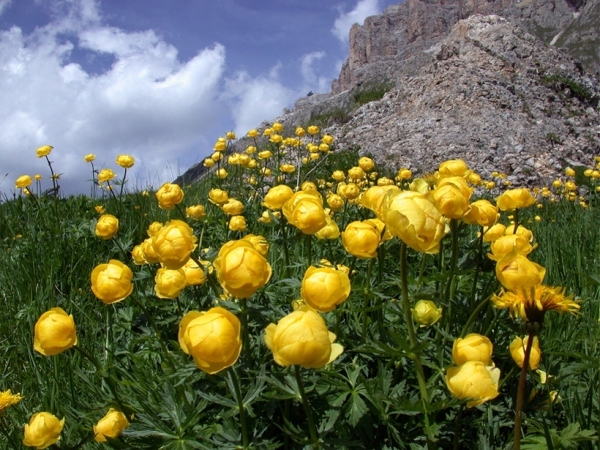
point(160, 80)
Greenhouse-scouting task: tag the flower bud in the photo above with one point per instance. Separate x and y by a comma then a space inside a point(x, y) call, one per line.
point(426, 313)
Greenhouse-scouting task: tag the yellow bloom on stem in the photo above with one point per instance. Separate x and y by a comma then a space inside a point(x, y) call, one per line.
point(169, 195)
point(517, 351)
point(105, 175)
point(366, 163)
point(482, 213)
point(43, 430)
point(212, 338)
point(44, 150)
point(218, 196)
point(287, 168)
point(107, 226)
point(252, 133)
point(233, 207)
point(174, 244)
point(137, 254)
point(473, 347)
point(452, 195)
point(473, 381)
point(125, 161)
point(453, 168)
point(169, 283)
point(241, 269)
point(324, 288)
point(196, 212)
point(194, 274)
point(237, 223)
point(507, 243)
point(415, 219)
point(111, 282)
point(375, 198)
point(356, 173)
point(329, 231)
point(54, 332)
point(515, 271)
point(23, 181)
point(313, 129)
point(89, 157)
point(361, 239)
point(302, 338)
point(111, 425)
point(531, 304)
point(335, 202)
point(259, 243)
point(100, 209)
point(305, 211)
point(494, 232)
point(515, 198)
point(426, 313)
point(8, 399)
point(338, 175)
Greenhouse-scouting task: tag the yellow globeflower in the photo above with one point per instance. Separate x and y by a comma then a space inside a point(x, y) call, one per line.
point(517, 351)
point(277, 196)
point(43, 430)
point(137, 254)
point(111, 282)
point(482, 213)
point(305, 211)
point(302, 338)
point(569, 172)
point(44, 150)
point(169, 283)
point(241, 269)
point(494, 232)
point(452, 195)
point(361, 239)
point(324, 288)
point(218, 196)
point(329, 231)
point(107, 226)
point(54, 332)
point(111, 425)
point(237, 223)
point(415, 219)
point(105, 175)
point(174, 244)
point(233, 207)
point(194, 274)
point(23, 181)
point(125, 161)
point(515, 271)
point(473, 381)
point(260, 244)
point(335, 202)
point(453, 168)
point(154, 228)
point(356, 173)
point(89, 157)
point(515, 198)
point(473, 347)
point(313, 129)
point(366, 163)
point(300, 132)
point(287, 168)
point(375, 198)
point(507, 243)
point(196, 212)
point(252, 133)
point(426, 313)
point(169, 195)
point(212, 338)
point(150, 255)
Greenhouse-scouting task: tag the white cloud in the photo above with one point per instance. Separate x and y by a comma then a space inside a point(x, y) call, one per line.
point(4, 4)
point(147, 104)
point(313, 81)
point(345, 20)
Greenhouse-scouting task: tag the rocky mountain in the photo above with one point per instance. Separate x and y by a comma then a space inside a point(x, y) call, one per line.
point(507, 85)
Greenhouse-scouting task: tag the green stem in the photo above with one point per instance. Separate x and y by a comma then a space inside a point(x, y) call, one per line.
point(477, 267)
point(309, 248)
point(245, 331)
point(413, 340)
point(453, 260)
point(286, 254)
point(482, 304)
point(365, 314)
point(314, 436)
point(240, 401)
point(521, 393)
point(122, 185)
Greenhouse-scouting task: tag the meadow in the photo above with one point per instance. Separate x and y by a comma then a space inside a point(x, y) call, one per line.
point(298, 296)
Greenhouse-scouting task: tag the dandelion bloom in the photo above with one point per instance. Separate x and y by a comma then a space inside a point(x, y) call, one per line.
point(8, 399)
point(302, 338)
point(169, 195)
point(43, 430)
point(125, 161)
point(324, 288)
point(517, 351)
point(44, 150)
point(54, 332)
point(111, 425)
point(473, 381)
point(111, 282)
point(212, 338)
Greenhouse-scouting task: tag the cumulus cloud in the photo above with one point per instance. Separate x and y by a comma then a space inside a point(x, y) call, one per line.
point(345, 20)
point(147, 103)
point(312, 80)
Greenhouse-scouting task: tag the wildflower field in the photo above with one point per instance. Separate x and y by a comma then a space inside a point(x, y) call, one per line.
point(300, 297)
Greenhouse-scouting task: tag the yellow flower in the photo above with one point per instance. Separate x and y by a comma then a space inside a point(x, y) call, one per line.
point(169, 283)
point(515, 198)
point(517, 351)
point(300, 132)
point(313, 129)
point(305, 211)
point(569, 172)
point(44, 150)
point(531, 304)
point(105, 175)
point(233, 207)
point(89, 157)
point(111, 282)
point(335, 202)
point(252, 133)
point(169, 195)
point(37, 177)
point(43, 430)
point(125, 161)
point(329, 231)
point(23, 181)
point(405, 174)
point(324, 288)
point(452, 195)
point(473, 347)
point(212, 338)
point(375, 198)
point(505, 244)
point(366, 163)
point(415, 219)
point(241, 269)
point(174, 244)
point(111, 425)
point(356, 173)
point(154, 228)
point(361, 239)
point(473, 381)
point(426, 313)
point(196, 212)
point(230, 135)
point(494, 232)
point(194, 274)
point(54, 332)
point(259, 243)
point(150, 255)
point(218, 196)
point(100, 209)
point(515, 271)
point(338, 175)
point(287, 168)
point(482, 213)
point(302, 338)
point(237, 223)
point(137, 254)
point(221, 173)
point(8, 399)
point(453, 168)
point(107, 226)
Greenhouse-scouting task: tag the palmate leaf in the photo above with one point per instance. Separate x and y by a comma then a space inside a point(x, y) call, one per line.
point(568, 438)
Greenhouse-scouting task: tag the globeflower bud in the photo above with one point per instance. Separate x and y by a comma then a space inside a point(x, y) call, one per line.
point(111, 425)
point(426, 313)
point(43, 151)
point(302, 338)
point(54, 332)
point(107, 226)
point(111, 282)
point(43, 430)
point(323, 288)
point(169, 195)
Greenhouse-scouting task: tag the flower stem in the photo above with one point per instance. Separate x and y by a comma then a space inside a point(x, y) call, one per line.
point(314, 436)
point(240, 401)
point(521, 393)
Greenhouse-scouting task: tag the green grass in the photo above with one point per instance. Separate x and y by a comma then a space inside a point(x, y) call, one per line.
point(367, 398)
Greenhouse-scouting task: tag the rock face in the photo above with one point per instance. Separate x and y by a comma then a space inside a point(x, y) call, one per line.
point(503, 93)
